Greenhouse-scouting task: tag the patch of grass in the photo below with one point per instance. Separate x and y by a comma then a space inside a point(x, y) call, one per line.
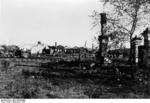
point(23, 88)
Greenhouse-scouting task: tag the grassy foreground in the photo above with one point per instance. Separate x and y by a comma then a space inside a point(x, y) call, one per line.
point(37, 82)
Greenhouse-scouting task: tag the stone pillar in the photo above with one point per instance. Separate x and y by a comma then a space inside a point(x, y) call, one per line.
point(146, 47)
point(135, 54)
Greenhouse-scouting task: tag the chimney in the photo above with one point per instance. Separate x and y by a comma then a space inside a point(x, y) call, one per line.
point(55, 44)
point(39, 42)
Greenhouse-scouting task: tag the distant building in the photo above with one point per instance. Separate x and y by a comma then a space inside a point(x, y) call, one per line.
point(79, 53)
point(119, 54)
point(53, 50)
point(37, 49)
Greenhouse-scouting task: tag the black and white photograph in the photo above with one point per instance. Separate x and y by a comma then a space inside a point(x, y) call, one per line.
point(74, 49)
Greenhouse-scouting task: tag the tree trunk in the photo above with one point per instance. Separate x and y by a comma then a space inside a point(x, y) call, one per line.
point(130, 57)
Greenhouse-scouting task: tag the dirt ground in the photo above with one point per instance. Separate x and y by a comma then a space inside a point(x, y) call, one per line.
point(37, 82)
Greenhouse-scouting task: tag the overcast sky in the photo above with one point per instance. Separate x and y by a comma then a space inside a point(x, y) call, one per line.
point(63, 21)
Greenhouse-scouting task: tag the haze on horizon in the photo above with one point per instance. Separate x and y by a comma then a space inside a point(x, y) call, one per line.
point(64, 21)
